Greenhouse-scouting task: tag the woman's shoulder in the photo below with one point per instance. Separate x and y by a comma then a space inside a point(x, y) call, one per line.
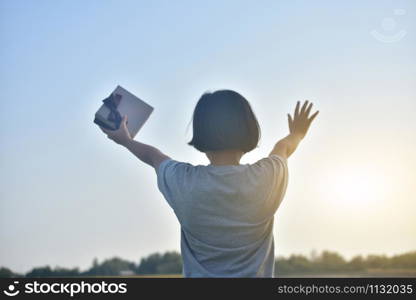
point(269, 164)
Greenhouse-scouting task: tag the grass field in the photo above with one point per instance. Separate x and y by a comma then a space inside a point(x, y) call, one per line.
point(368, 273)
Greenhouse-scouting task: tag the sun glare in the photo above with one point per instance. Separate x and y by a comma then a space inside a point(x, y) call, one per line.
point(355, 187)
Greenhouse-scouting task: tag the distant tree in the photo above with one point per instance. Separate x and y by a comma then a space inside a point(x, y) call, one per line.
point(283, 267)
point(48, 272)
point(168, 263)
point(357, 263)
point(95, 263)
point(148, 265)
point(171, 263)
point(377, 262)
point(109, 267)
point(7, 273)
point(406, 260)
point(300, 263)
point(326, 262)
point(40, 272)
point(294, 264)
point(313, 255)
point(63, 272)
point(330, 262)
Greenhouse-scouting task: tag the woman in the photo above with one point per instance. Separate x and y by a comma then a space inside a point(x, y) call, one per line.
point(225, 209)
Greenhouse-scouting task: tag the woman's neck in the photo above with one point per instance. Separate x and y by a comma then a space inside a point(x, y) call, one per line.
point(224, 157)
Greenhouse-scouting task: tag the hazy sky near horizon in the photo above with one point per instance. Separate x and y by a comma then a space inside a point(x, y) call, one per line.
point(68, 194)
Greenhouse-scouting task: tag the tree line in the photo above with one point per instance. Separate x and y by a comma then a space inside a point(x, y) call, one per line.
point(327, 262)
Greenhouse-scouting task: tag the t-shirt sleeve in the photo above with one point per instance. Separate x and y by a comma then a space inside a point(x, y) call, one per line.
point(274, 171)
point(280, 179)
point(170, 179)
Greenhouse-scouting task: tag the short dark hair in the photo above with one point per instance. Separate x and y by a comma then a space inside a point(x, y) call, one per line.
point(224, 120)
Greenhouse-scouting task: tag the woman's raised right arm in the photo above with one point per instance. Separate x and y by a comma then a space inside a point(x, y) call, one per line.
point(298, 127)
point(146, 153)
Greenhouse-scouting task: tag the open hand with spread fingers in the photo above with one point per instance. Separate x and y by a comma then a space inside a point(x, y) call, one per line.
point(299, 124)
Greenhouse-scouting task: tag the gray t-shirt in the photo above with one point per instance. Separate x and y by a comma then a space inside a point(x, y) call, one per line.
point(226, 214)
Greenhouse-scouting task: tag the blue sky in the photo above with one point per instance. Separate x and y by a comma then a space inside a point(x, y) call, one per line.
point(68, 195)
